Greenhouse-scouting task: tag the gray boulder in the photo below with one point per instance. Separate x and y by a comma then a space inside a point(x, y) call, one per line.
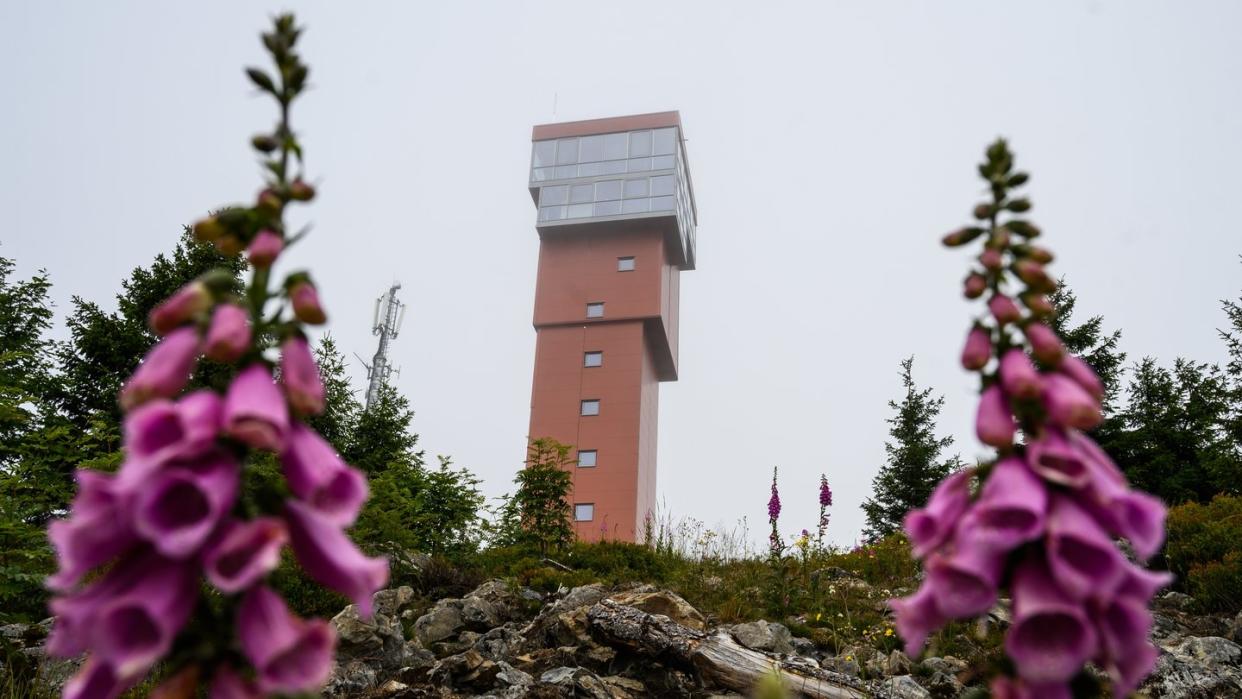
point(904, 687)
point(441, 622)
point(1197, 668)
point(765, 636)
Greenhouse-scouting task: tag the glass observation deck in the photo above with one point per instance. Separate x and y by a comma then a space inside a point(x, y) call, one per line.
point(608, 177)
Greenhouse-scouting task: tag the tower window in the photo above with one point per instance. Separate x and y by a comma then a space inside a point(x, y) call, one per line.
point(590, 407)
point(595, 309)
point(591, 359)
point(586, 458)
point(625, 264)
point(584, 511)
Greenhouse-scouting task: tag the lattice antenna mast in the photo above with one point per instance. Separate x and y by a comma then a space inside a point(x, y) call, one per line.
point(388, 316)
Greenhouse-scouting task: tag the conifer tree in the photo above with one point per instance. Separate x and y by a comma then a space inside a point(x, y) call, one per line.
point(1088, 340)
point(914, 464)
point(538, 514)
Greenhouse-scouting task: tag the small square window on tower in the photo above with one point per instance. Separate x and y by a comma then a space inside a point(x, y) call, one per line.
point(586, 458)
point(592, 359)
point(625, 264)
point(590, 407)
point(595, 309)
point(584, 511)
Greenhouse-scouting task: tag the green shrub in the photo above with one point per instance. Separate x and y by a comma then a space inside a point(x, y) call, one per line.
point(1204, 551)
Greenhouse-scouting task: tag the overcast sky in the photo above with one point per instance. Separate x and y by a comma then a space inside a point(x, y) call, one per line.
point(831, 143)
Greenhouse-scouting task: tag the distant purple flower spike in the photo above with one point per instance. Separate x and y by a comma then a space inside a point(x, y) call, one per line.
point(1069, 404)
point(165, 369)
point(994, 422)
point(964, 582)
point(1056, 460)
point(1051, 637)
point(1018, 375)
point(181, 507)
point(244, 552)
point(137, 628)
point(825, 493)
point(255, 411)
point(290, 654)
point(916, 617)
point(330, 558)
point(1081, 555)
point(1011, 507)
point(930, 526)
point(317, 475)
point(96, 531)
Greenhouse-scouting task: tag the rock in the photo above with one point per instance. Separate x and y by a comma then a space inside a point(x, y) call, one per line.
point(500, 643)
point(765, 636)
point(559, 675)
point(944, 686)
point(509, 676)
point(949, 665)
point(468, 670)
point(805, 647)
point(351, 678)
point(392, 601)
point(479, 614)
point(898, 663)
point(1174, 600)
point(844, 664)
point(584, 596)
point(904, 687)
point(393, 688)
point(441, 622)
point(625, 687)
point(1198, 667)
point(668, 604)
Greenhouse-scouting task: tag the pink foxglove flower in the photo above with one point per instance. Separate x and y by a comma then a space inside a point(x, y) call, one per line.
point(227, 684)
point(300, 376)
point(1003, 309)
point(163, 431)
point(97, 530)
point(917, 616)
point(1051, 636)
point(94, 680)
point(305, 300)
point(330, 558)
point(254, 410)
point(318, 476)
point(964, 581)
point(1083, 375)
point(182, 506)
point(1081, 555)
point(191, 300)
point(1018, 375)
point(290, 654)
point(978, 349)
point(1056, 460)
point(1068, 404)
point(164, 371)
point(244, 552)
point(1011, 507)
point(264, 249)
point(1045, 344)
point(994, 422)
point(931, 526)
point(135, 629)
point(228, 336)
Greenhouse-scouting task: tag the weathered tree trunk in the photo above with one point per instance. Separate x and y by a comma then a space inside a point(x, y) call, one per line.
point(718, 659)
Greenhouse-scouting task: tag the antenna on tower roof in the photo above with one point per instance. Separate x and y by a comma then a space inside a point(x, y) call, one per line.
point(386, 323)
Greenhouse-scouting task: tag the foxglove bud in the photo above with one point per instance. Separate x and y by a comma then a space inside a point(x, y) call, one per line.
point(254, 410)
point(189, 301)
point(300, 376)
point(974, 285)
point(269, 202)
point(978, 349)
point(1083, 375)
point(301, 191)
point(962, 236)
point(1069, 404)
point(983, 211)
point(164, 371)
point(209, 229)
point(990, 259)
point(994, 421)
point(1018, 375)
point(228, 337)
point(1024, 229)
point(264, 249)
point(1037, 303)
point(229, 245)
point(1004, 309)
point(1035, 253)
point(305, 300)
point(1033, 274)
point(264, 143)
point(1045, 344)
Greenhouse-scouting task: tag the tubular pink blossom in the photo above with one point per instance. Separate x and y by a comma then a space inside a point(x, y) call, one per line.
point(1083, 375)
point(162, 431)
point(1051, 637)
point(1045, 344)
point(930, 526)
point(187, 302)
point(300, 376)
point(165, 369)
point(97, 530)
point(1080, 553)
point(305, 300)
point(978, 349)
point(181, 506)
point(1003, 309)
point(96, 680)
point(1142, 583)
point(227, 684)
point(1018, 375)
point(1011, 507)
point(994, 422)
point(244, 552)
point(290, 654)
point(1129, 670)
point(1008, 688)
point(916, 617)
point(1056, 460)
point(330, 558)
point(974, 286)
point(964, 581)
point(254, 410)
point(228, 336)
point(137, 628)
point(264, 249)
point(317, 475)
point(1132, 514)
point(1068, 404)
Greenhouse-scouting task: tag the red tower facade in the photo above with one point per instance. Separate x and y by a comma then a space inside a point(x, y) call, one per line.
point(616, 221)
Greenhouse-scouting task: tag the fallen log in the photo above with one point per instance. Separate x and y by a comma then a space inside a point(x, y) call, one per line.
point(717, 658)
